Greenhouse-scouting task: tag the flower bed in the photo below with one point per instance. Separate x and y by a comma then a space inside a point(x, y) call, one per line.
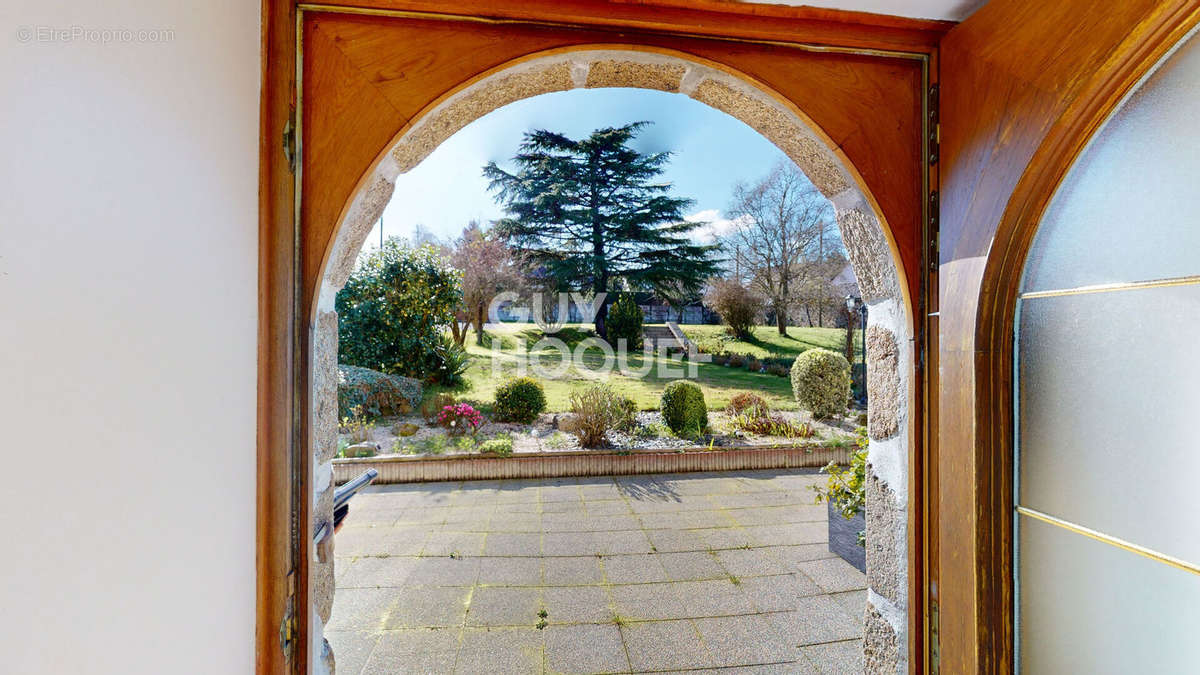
point(410, 436)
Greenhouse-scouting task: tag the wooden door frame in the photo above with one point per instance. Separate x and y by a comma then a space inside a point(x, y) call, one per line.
point(1005, 155)
point(278, 519)
point(284, 464)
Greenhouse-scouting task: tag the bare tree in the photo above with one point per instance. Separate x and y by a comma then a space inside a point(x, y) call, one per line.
point(784, 227)
point(488, 267)
point(815, 293)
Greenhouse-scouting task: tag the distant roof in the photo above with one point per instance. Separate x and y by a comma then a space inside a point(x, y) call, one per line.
point(845, 280)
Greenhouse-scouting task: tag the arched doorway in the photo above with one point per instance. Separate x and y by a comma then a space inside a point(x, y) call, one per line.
point(872, 205)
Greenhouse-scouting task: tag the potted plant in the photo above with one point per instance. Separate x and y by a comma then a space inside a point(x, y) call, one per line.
point(845, 492)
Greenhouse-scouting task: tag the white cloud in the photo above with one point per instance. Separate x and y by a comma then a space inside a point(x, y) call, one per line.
point(715, 227)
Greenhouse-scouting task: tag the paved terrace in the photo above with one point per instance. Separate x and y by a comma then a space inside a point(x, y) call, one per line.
point(679, 572)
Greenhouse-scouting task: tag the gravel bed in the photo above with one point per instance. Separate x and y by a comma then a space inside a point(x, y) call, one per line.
point(650, 433)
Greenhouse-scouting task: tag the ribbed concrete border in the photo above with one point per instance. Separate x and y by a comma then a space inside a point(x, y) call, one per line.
point(399, 469)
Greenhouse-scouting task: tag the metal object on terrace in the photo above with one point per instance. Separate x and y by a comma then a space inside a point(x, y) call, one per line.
point(343, 494)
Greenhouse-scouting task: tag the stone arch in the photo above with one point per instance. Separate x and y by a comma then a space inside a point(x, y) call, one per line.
point(868, 241)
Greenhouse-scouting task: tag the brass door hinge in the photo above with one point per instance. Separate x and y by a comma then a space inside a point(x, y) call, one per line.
point(289, 141)
point(934, 126)
point(934, 230)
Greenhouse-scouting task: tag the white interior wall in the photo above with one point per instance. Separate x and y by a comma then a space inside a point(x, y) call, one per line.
point(128, 257)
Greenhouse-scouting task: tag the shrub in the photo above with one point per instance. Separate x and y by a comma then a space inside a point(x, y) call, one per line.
point(772, 424)
point(431, 407)
point(393, 309)
point(520, 400)
point(821, 382)
point(653, 430)
point(596, 410)
point(683, 408)
point(846, 488)
point(754, 365)
point(745, 401)
point(460, 418)
point(451, 361)
point(357, 426)
point(376, 393)
point(751, 413)
point(736, 361)
point(626, 418)
point(720, 359)
point(434, 445)
point(624, 321)
point(737, 305)
point(715, 344)
point(557, 441)
point(778, 370)
point(501, 445)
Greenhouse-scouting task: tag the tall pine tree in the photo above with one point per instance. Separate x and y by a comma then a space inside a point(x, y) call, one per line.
point(592, 213)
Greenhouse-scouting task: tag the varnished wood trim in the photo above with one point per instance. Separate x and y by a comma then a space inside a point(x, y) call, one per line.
point(706, 18)
point(923, 441)
point(274, 543)
point(1112, 288)
point(917, 54)
point(1110, 540)
point(924, 61)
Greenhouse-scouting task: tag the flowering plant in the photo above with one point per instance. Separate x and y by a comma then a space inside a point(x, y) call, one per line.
point(460, 418)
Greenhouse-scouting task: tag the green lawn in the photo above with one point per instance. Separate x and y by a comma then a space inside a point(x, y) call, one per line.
point(490, 369)
point(767, 341)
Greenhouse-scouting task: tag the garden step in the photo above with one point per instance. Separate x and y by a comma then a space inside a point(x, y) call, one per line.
point(660, 336)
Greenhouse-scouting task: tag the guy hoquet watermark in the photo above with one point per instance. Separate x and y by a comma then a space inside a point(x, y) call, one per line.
point(85, 34)
point(635, 363)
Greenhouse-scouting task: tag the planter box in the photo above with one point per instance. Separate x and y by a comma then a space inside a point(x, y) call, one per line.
point(843, 537)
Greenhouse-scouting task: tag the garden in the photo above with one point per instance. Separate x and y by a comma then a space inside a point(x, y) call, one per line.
point(528, 337)
point(728, 405)
point(429, 366)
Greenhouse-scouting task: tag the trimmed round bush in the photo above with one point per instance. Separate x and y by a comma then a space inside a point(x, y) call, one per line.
point(821, 382)
point(683, 408)
point(520, 400)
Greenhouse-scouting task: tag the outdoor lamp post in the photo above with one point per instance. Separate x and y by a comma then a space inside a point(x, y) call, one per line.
point(855, 304)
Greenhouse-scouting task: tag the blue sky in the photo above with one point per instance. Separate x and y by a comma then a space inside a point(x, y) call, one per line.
point(713, 151)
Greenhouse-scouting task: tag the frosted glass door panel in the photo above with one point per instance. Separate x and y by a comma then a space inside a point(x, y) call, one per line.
point(1129, 210)
point(1110, 406)
point(1108, 397)
point(1087, 607)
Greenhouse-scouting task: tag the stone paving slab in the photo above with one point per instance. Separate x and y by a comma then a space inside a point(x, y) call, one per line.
point(706, 572)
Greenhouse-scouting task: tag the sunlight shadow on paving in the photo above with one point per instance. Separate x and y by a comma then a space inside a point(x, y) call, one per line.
point(642, 489)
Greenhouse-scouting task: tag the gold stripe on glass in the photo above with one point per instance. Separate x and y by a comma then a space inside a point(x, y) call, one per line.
point(1110, 540)
point(1111, 288)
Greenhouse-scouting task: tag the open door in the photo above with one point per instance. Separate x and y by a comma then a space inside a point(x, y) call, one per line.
point(1042, 555)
